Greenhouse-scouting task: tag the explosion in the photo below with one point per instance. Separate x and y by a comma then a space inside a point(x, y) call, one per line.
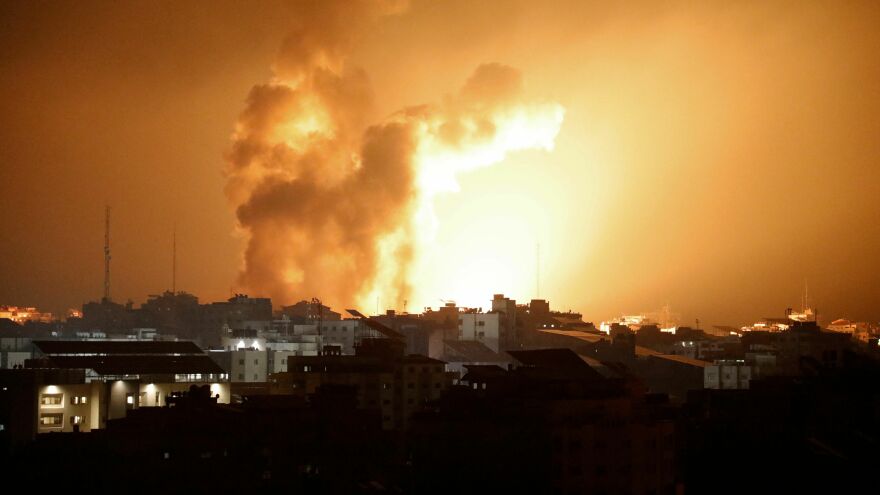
point(335, 207)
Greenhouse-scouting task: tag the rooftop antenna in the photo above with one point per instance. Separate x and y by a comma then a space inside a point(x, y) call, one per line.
point(107, 253)
point(174, 260)
point(806, 296)
point(319, 306)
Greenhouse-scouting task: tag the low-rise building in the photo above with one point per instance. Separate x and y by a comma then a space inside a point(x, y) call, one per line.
point(247, 365)
point(461, 354)
point(727, 374)
point(386, 379)
point(79, 385)
point(481, 327)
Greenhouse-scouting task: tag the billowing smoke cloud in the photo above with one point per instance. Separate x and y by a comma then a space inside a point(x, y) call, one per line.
point(334, 207)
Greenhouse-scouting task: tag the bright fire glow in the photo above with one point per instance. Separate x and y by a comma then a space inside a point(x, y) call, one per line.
point(464, 272)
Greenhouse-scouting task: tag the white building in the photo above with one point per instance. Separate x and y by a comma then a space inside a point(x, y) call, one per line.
point(241, 343)
point(481, 327)
point(278, 360)
point(13, 359)
point(727, 374)
point(82, 384)
point(244, 365)
point(344, 333)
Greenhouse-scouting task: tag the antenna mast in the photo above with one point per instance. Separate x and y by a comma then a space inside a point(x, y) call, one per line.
point(806, 295)
point(107, 253)
point(174, 260)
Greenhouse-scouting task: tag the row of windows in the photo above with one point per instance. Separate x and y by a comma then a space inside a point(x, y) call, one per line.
point(51, 399)
point(199, 376)
point(56, 420)
point(480, 323)
point(56, 400)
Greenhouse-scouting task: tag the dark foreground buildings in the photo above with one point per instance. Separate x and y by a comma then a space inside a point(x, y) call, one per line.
point(595, 419)
point(553, 424)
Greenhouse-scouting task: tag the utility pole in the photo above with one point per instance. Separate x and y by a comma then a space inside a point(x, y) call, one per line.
point(107, 253)
point(174, 260)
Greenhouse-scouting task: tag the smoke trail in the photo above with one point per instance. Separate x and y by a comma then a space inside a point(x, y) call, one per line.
point(334, 207)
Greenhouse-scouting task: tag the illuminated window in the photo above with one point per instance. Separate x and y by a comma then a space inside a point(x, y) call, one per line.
point(129, 399)
point(54, 420)
point(51, 399)
point(76, 420)
point(78, 399)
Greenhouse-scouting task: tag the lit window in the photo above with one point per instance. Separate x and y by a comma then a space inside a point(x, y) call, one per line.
point(54, 420)
point(129, 399)
point(51, 399)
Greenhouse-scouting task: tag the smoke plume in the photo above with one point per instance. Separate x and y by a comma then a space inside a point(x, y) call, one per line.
point(336, 207)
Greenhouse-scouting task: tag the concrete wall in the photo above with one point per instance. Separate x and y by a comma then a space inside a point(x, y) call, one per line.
point(278, 360)
point(342, 333)
point(727, 376)
point(156, 394)
point(10, 359)
point(60, 407)
point(482, 327)
point(90, 404)
point(248, 366)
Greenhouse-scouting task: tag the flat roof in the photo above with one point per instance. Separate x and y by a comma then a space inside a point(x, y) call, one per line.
point(111, 347)
point(139, 365)
point(587, 337)
point(641, 351)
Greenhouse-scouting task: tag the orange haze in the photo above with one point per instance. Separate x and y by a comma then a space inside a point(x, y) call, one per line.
point(713, 156)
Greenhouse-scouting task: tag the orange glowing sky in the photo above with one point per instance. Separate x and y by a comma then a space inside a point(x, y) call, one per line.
point(712, 157)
